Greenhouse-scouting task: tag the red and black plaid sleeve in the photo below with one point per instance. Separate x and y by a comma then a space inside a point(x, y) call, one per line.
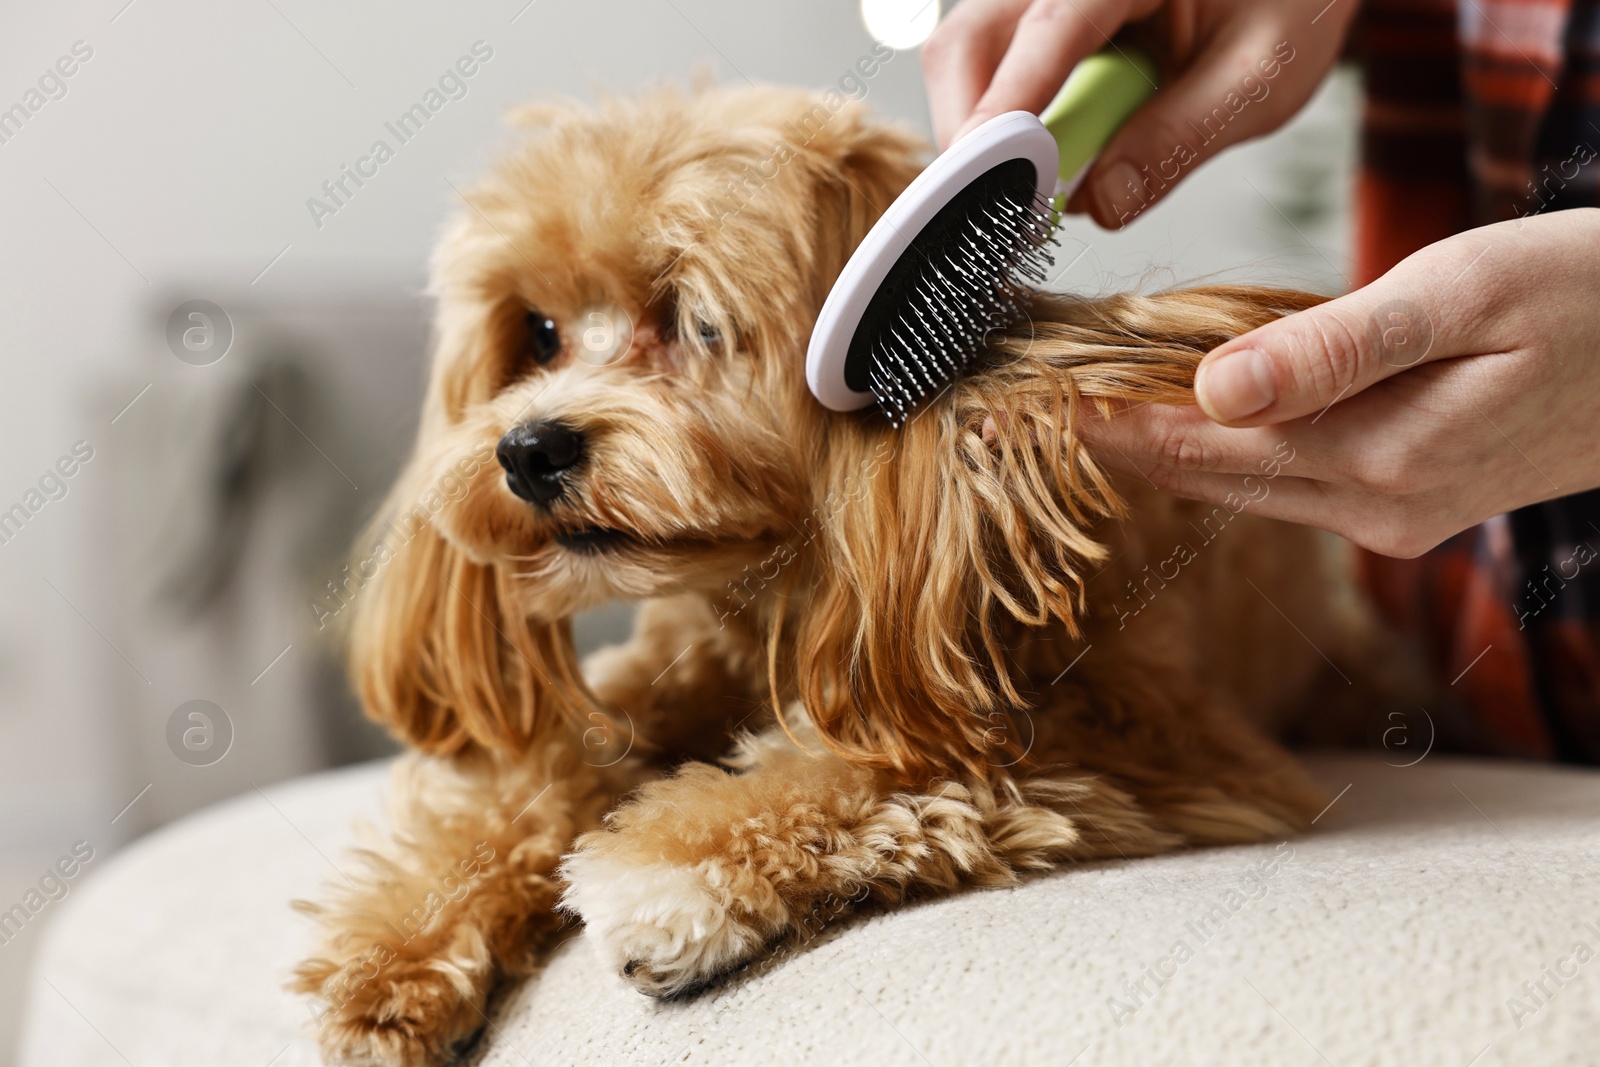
point(1479, 111)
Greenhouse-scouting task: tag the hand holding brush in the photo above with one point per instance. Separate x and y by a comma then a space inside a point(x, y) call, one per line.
point(989, 57)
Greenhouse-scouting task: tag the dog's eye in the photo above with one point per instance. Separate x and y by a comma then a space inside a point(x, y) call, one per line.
point(709, 334)
point(543, 340)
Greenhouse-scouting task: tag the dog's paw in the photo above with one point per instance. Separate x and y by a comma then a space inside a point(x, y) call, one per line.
point(408, 1014)
point(666, 928)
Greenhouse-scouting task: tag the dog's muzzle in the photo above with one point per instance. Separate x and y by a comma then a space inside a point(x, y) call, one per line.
point(538, 459)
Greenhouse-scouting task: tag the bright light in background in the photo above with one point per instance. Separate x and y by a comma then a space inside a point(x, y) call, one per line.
point(900, 23)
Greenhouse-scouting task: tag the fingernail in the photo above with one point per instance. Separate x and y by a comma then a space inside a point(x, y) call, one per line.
point(1119, 194)
point(1236, 385)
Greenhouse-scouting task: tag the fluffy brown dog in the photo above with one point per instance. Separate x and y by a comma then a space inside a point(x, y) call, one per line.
point(931, 657)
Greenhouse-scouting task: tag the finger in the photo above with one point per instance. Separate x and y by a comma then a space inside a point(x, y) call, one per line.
point(1352, 513)
point(1050, 38)
point(1290, 499)
point(1184, 440)
point(1304, 363)
point(1221, 99)
point(960, 58)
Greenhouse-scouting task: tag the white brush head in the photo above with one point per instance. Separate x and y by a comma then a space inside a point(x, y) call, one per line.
point(838, 363)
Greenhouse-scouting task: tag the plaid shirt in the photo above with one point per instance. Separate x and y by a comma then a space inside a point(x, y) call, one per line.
point(1479, 111)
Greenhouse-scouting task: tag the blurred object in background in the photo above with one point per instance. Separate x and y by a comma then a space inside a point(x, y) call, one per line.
point(231, 507)
point(901, 23)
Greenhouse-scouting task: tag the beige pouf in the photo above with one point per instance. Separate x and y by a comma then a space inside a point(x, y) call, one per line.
point(1443, 913)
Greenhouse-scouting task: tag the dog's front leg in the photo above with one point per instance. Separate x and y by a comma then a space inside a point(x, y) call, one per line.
point(421, 928)
point(698, 873)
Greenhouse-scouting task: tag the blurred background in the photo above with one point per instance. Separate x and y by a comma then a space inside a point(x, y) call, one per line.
point(207, 385)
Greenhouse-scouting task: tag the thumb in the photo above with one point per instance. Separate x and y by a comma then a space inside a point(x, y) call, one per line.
point(1301, 364)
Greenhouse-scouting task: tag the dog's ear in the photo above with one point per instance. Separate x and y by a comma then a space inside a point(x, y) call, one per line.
point(931, 546)
point(439, 654)
point(940, 546)
point(860, 166)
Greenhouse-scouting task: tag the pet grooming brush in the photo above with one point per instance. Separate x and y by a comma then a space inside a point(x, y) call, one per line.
point(956, 256)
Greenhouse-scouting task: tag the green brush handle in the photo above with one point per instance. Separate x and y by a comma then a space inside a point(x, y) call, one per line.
point(1098, 97)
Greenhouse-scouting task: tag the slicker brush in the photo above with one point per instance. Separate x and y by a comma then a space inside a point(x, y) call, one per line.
point(958, 255)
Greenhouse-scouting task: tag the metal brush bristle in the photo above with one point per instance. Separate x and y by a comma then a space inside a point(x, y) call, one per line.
point(979, 280)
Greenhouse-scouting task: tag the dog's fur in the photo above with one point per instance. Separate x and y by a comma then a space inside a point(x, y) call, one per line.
point(928, 658)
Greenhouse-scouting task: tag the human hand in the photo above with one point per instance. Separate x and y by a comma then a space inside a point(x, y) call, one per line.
point(1462, 384)
point(1236, 69)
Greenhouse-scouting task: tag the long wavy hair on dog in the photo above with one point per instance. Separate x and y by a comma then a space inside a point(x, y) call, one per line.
point(925, 580)
point(436, 656)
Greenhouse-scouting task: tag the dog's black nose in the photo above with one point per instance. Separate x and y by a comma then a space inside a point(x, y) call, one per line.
point(537, 458)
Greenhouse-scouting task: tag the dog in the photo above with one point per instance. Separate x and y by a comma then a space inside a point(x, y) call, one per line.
point(868, 663)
